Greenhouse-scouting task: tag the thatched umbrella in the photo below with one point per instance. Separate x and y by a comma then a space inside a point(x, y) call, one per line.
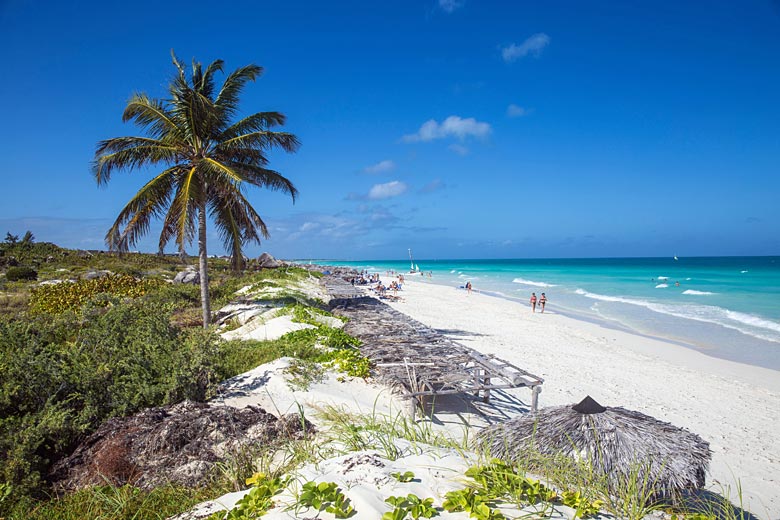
point(618, 444)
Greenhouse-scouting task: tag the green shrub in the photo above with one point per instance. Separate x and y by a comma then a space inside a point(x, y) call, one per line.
point(15, 274)
point(54, 299)
point(63, 376)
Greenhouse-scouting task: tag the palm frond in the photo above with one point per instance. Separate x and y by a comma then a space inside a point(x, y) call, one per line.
point(262, 140)
point(206, 84)
point(254, 123)
point(265, 178)
point(188, 194)
point(151, 115)
point(149, 203)
point(129, 153)
point(227, 99)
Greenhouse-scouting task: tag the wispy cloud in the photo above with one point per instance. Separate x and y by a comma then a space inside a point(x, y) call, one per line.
point(453, 126)
point(387, 190)
point(434, 185)
point(449, 6)
point(380, 167)
point(533, 45)
point(516, 111)
point(459, 149)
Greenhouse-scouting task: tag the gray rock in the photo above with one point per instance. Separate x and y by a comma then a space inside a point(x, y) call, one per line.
point(92, 275)
point(267, 261)
point(190, 276)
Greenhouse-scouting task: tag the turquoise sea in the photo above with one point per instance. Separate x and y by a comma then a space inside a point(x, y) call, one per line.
point(728, 307)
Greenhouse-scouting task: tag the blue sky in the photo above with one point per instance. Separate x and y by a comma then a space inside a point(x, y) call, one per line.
point(459, 128)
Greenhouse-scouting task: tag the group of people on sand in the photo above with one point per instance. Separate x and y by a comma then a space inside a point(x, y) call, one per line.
point(381, 290)
point(542, 301)
point(365, 279)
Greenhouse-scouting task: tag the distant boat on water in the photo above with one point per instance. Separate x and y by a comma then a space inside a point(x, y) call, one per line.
point(413, 268)
point(675, 258)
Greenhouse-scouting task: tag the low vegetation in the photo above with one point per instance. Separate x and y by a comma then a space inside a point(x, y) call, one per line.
point(108, 337)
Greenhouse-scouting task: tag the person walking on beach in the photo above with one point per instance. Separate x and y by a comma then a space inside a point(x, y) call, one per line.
point(542, 301)
point(468, 287)
point(533, 302)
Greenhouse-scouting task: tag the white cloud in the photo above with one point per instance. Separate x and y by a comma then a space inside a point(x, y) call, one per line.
point(434, 185)
point(532, 45)
point(387, 190)
point(449, 6)
point(380, 167)
point(459, 149)
point(516, 111)
point(453, 126)
point(309, 226)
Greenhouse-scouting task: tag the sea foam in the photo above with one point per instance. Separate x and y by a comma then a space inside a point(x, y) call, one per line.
point(697, 293)
point(530, 282)
point(745, 323)
point(662, 286)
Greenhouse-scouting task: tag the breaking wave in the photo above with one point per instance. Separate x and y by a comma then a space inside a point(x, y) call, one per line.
point(697, 293)
point(530, 282)
point(745, 323)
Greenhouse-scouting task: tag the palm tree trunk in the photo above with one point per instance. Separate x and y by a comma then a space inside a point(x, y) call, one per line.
point(204, 273)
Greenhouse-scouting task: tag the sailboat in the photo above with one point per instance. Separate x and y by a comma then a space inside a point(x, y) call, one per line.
point(675, 258)
point(413, 268)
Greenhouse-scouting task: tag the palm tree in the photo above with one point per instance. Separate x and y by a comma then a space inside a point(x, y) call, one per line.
point(207, 160)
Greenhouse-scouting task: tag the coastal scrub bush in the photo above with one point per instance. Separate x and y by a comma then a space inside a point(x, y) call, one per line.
point(15, 274)
point(63, 376)
point(54, 299)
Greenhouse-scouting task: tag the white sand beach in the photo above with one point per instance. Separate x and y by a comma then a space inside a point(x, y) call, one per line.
point(735, 407)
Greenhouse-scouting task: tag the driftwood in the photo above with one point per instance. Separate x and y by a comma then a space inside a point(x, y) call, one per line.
point(414, 359)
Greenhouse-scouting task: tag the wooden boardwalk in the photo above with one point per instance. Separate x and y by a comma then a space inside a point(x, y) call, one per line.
point(417, 360)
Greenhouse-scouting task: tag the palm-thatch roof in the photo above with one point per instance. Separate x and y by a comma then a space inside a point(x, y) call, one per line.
point(618, 444)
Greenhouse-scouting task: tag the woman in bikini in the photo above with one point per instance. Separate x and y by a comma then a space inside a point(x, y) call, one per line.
point(533, 302)
point(542, 301)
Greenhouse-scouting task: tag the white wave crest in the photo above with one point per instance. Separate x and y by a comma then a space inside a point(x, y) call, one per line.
point(662, 286)
point(529, 282)
point(743, 272)
point(745, 323)
point(695, 292)
point(662, 277)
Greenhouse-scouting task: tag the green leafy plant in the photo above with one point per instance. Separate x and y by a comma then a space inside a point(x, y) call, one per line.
point(472, 502)
point(349, 361)
point(407, 476)
point(257, 502)
point(583, 507)
point(410, 505)
point(499, 480)
point(326, 496)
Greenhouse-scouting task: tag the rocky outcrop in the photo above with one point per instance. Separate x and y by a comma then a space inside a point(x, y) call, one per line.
point(266, 261)
point(92, 275)
point(189, 275)
point(179, 443)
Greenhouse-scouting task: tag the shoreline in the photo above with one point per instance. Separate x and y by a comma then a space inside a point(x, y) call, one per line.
point(734, 406)
point(702, 348)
